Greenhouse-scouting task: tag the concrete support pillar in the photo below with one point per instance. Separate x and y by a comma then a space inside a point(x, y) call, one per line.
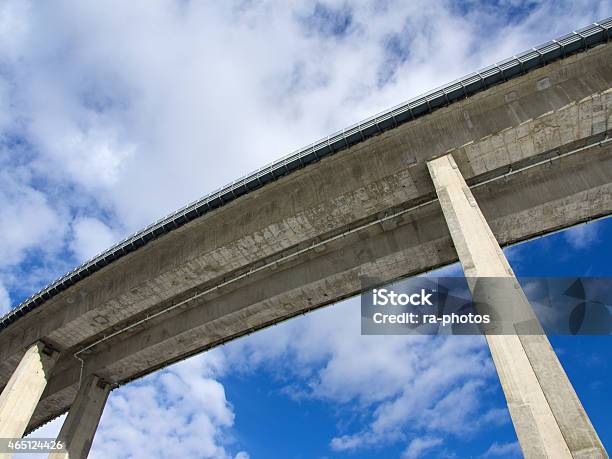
point(80, 426)
point(24, 389)
point(549, 419)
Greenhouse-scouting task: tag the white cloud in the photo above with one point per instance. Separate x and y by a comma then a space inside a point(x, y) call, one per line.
point(91, 155)
point(505, 450)
point(581, 236)
point(5, 117)
point(13, 27)
point(27, 219)
point(410, 385)
point(90, 237)
point(420, 445)
point(33, 229)
point(178, 412)
point(181, 411)
point(5, 300)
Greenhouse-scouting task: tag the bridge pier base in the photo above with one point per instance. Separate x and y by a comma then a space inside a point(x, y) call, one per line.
point(80, 426)
point(24, 389)
point(548, 417)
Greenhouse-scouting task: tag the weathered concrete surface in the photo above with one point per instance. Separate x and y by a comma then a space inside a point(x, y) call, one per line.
point(547, 415)
point(22, 392)
point(508, 126)
point(80, 426)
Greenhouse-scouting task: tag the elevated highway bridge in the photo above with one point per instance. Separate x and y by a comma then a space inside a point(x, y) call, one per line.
point(530, 136)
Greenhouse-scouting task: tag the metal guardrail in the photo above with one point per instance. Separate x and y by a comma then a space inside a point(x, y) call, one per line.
point(519, 64)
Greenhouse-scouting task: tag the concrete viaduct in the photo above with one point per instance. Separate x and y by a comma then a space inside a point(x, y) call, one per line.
point(515, 151)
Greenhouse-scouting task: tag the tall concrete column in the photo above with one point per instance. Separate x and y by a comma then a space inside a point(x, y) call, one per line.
point(80, 426)
point(23, 390)
point(549, 419)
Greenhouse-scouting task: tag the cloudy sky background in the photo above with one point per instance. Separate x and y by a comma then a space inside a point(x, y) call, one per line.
point(113, 114)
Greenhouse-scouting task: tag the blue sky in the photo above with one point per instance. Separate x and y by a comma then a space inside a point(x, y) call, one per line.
point(113, 115)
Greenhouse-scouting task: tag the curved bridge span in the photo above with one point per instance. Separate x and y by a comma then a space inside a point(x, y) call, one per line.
point(530, 136)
